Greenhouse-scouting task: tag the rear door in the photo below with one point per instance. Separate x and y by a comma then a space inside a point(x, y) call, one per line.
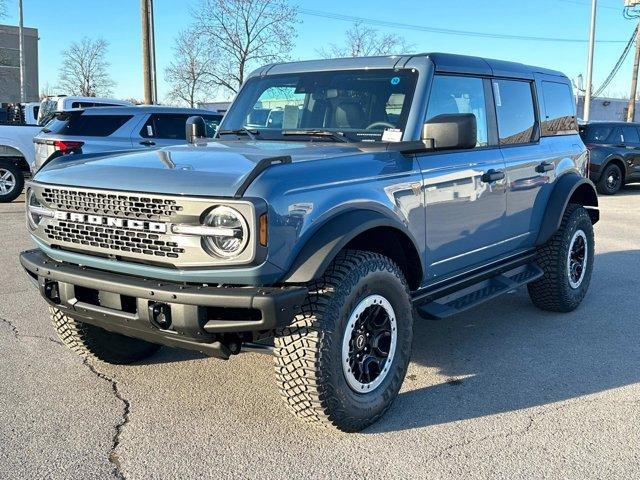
point(629, 139)
point(465, 209)
point(530, 162)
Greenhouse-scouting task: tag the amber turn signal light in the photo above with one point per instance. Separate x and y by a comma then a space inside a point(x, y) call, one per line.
point(263, 230)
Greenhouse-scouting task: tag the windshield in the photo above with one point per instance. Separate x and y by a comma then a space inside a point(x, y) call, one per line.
point(359, 105)
point(47, 109)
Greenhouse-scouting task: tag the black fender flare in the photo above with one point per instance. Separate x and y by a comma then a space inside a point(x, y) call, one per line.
point(569, 186)
point(332, 236)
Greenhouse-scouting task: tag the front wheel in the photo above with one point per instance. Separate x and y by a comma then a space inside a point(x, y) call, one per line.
point(90, 341)
point(567, 263)
point(343, 359)
point(11, 181)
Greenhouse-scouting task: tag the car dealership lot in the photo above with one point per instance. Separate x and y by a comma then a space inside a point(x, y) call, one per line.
point(503, 390)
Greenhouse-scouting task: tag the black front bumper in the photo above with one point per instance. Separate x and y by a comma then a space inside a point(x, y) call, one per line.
point(200, 317)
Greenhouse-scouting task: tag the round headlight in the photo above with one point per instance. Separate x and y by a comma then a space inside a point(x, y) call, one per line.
point(232, 235)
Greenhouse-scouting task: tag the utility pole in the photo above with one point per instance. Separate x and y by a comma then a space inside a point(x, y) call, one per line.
point(631, 12)
point(23, 93)
point(592, 39)
point(148, 52)
point(631, 109)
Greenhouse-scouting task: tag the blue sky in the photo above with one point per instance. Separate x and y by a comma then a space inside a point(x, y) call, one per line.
point(117, 21)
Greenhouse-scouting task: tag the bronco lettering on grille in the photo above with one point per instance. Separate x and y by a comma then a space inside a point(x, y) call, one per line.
point(111, 222)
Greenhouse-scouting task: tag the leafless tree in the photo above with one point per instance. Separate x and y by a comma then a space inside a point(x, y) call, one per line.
point(190, 73)
point(84, 69)
point(3, 8)
point(364, 41)
point(245, 34)
point(46, 90)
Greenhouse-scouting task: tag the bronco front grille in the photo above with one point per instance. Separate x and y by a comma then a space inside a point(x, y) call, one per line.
point(114, 204)
point(118, 240)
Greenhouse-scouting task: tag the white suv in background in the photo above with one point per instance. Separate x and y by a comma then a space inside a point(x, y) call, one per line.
point(50, 105)
point(108, 129)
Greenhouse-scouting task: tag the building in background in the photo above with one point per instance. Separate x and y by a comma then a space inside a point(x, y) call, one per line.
point(10, 64)
point(220, 107)
point(605, 109)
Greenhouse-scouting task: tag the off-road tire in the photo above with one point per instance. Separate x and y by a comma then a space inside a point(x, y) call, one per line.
point(308, 362)
point(93, 342)
point(553, 291)
point(603, 185)
point(18, 175)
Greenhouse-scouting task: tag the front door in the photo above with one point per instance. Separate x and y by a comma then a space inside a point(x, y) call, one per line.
point(464, 191)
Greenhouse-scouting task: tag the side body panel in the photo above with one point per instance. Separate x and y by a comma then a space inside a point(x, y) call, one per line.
point(464, 215)
point(387, 183)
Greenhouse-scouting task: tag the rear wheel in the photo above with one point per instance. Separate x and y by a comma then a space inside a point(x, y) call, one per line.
point(611, 180)
point(90, 341)
point(567, 262)
point(342, 361)
point(11, 181)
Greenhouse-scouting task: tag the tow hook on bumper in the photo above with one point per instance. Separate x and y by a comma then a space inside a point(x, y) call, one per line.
point(212, 320)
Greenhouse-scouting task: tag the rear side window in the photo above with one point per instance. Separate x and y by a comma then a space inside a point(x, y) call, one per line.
point(451, 94)
point(92, 104)
point(595, 133)
point(560, 112)
point(172, 126)
point(87, 125)
point(514, 109)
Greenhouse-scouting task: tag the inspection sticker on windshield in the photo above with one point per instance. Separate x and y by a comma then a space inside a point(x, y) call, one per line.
point(392, 135)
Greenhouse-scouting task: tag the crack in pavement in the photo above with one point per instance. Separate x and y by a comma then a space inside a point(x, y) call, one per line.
point(114, 459)
point(18, 335)
point(515, 432)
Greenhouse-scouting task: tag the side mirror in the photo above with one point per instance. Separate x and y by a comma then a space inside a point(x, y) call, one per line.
point(451, 131)
point(195, 129)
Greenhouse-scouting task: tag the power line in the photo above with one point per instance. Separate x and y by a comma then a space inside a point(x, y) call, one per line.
point(618, 64)
point(444, 31)
point(586, 4)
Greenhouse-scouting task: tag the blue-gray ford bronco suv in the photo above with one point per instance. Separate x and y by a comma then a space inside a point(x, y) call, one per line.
point(340, 198)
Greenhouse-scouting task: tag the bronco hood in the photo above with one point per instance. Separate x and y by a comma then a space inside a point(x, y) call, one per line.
point(212, 169)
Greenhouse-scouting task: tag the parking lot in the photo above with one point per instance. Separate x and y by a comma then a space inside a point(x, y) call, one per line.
point(502, 391)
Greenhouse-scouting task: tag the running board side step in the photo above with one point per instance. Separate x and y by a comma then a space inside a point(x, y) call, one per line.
point(480, 292)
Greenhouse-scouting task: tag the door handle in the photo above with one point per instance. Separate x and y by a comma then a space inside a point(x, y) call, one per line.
point(493, 176)
point(148, 143)
point(545, 167)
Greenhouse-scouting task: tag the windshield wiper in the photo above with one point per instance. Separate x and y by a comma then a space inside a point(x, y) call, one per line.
point(240, 131)
point(337, 136)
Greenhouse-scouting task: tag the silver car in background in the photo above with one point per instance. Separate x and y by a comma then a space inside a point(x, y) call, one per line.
point(108, 129)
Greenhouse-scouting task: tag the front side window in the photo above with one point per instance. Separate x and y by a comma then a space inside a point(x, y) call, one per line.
point(451, 94)
point(354, 105)
point(560, 111)
point(514, 109)
point(630, 135)
point(172, 126)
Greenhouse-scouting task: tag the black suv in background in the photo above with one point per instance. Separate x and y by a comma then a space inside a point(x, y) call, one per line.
point(615, 154)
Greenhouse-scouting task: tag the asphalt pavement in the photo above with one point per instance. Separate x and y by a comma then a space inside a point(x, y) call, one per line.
point(502, 391)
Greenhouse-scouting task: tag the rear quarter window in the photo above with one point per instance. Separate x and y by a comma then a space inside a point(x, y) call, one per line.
point(559, 116)
point(87, 125)
point(595, 133)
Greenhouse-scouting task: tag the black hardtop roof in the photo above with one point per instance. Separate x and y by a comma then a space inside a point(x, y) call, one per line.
point(443, 62)
point(453, 63)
